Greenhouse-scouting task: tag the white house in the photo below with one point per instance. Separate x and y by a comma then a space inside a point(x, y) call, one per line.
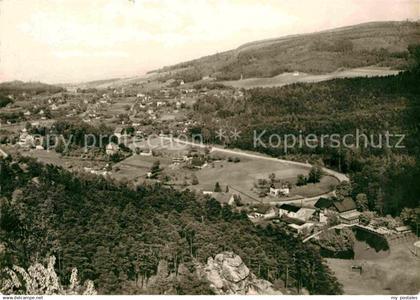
point(279, 190)
point(112, 149)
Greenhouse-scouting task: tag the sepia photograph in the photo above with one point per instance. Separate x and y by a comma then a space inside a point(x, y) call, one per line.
point(209, 147)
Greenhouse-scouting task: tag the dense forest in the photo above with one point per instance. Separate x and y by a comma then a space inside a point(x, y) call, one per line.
point(116, 236)
point(387, 175)
point(31, 88)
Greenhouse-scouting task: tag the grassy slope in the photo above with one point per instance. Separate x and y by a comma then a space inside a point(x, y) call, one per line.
point(394, 274)
point(290, 78)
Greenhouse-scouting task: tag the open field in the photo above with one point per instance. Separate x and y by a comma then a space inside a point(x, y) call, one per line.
point(242, 176)
point(395, 274)
point(121, 104)
point(137, 166)
point(68, 162)
point(289, 78)
point(326, 184)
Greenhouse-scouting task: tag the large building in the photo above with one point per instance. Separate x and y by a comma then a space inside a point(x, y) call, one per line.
point(345, 208)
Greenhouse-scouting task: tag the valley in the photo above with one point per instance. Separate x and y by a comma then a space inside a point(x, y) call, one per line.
point(149, 184)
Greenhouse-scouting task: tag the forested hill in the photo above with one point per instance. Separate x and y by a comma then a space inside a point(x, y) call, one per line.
point(116, 236)
point(377, 43)
point(33, 88)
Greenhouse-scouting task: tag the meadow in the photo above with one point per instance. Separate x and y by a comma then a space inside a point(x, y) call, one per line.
point(289, 78)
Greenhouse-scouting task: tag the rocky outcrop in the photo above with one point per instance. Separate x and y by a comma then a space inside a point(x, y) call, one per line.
point(228, 275)
point(225, 274)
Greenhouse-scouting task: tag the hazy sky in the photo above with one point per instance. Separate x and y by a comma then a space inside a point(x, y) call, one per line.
point(78, 40)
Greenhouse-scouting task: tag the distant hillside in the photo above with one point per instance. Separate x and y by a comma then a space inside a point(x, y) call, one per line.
point(108, 83)
point(18, 87)
point(380, 43)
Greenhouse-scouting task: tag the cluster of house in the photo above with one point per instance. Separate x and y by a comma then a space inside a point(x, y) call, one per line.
point(44, 106)
point(156, 103)
point(305, 218)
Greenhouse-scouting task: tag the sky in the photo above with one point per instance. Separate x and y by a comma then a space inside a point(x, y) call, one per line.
point(58, 41)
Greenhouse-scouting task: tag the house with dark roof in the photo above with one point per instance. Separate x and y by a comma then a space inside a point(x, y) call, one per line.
point(347, 204)
point(292, 211)
point(263, 213)
point(288, 210)
point(350, 217)
point(323, 204)
point(346, 209)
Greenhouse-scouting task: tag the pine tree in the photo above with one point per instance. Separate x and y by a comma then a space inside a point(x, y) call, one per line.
point(217, 188)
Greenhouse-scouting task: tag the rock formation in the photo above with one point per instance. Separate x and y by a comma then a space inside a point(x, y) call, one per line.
point(227, 275)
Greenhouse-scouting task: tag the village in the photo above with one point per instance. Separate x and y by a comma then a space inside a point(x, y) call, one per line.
point(148, 131)
point(144, 119)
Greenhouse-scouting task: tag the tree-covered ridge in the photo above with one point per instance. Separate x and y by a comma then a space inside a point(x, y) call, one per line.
point(376, 43)
point(116, 236)
point(33, 88)
point(336, 106)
